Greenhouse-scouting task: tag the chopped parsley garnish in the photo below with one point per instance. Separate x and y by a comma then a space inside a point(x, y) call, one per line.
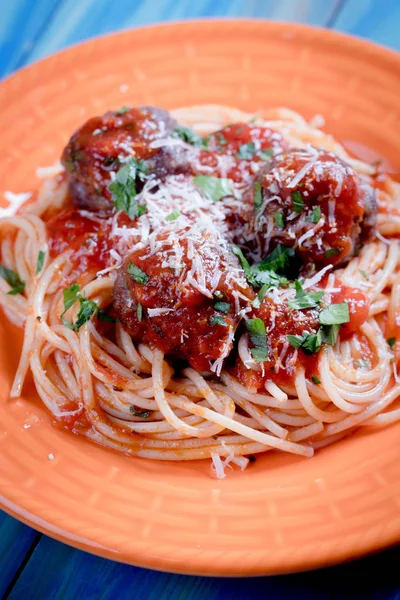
point(218, 320)
point(315, 380)
point(123, 188)
point(298, 202)
point(222, 306)
point(305, 299)
point(362, 364)
point(74, 156)
point(187, 135)
point(364, 274)
point(330, 318)
point(221, 140)
point(111, 162)
point(278, 219)
point(246, 151)
point(139, 312)
point(315, 215)
point(278, 259)
point(190, 137)
point(257, 196)
point(266, 154)
point(102, 315)
point(258, 337)
point(214, 187)
point(137, 274)
point(123, 110)
point(40, 261)
point(86, 310)
point(13, 279)
point(139, 412)
point(261, 295)
point(173, 215)
point(70, 295)
point(309, 342)
point(391, 341)
point(268, 270)
point(330, 334)
point(335, 314)
point(331, 252)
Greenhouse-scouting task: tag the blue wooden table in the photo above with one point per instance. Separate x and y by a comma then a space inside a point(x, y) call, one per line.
point(35, 566)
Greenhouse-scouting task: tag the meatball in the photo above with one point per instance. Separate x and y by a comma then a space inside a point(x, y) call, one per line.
point(100, 147)
point(184, 298)
point(314, 202)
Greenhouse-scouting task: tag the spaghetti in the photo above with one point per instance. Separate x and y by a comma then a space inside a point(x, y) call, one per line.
point(77, 278)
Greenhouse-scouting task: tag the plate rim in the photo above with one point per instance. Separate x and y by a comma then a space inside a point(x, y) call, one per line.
point(64, 536)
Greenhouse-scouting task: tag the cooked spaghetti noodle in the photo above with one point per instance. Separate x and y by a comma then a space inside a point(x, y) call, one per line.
point(127, 393)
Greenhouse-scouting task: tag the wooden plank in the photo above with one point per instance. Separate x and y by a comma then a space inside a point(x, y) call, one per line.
point(21, 24)
point(62, 573)
point(378, 21)
point(16, 540)
point(76, 21)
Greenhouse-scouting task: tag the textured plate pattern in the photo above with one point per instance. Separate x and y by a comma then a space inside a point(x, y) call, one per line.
point(283, 513)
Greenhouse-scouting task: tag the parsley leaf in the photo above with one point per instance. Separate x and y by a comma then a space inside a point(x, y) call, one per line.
point(139, 412)
point(123, 188)
point(309, 342)
point(102, 315)
point(278, 219)
point(218, 320)
point(364, 274)
point(315, 215)
point(246, 151)
point(222, 306)
point(257, 196)
point(335, 314)
point(266, 154)
point(13, 279)
point(298, 202)
point(362, 364)
point(391, 341)
point(315, 380)
point(40, 261)
point(221, 140)
point(87, 309)
point(173, 215)
point(214, 187)
point(139, 312)
point(265, 273)
point(329, 334)
point(70, 296)
point(258, 337)
point(261, 295)
point(137, 274)
point(123, 110)
point(243, 261)
point(331, 252)
point(305, 299)
point(187, 135)
point(278, 259)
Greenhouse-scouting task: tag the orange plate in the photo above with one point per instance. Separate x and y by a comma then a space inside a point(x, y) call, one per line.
point(283, 513)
